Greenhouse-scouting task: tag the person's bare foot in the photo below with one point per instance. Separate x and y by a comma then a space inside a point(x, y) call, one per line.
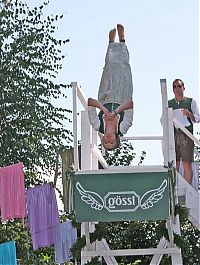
point(120, 30)
point(112, 35)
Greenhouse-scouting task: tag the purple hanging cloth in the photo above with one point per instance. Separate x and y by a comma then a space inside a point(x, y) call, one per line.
point(43, 215)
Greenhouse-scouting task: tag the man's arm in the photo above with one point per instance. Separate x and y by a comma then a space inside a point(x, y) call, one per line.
point(127, 121)
point(195, 111)
point(95, 103)
point(194, 115)
point(124, 106)
point(189, 114)
point(93, 118)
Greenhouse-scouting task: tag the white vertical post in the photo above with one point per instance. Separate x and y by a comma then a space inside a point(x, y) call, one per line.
point(94, 158)
point(75, 127)
point(170, 231)
point(172, 159)
point(169, 156)
point(172, 155)
point(163, 84)
point(86, 163)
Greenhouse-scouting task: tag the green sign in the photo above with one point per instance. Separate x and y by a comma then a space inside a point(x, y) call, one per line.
point(121, 196)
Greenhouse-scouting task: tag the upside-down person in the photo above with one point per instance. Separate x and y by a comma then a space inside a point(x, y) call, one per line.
point(114, 95)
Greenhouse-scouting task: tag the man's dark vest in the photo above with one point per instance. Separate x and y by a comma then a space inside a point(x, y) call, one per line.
point(183, 104)
point(110, 107)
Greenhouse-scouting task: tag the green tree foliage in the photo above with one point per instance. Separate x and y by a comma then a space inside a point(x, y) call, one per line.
point(32, 126)
point(124, 155)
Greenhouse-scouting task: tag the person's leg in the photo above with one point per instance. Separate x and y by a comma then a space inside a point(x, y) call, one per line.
point(177, 165)
point(177, 150)
point(187, 166)
point(112, 35)
point(116, 81)
point(187, 155)
point(120, 30)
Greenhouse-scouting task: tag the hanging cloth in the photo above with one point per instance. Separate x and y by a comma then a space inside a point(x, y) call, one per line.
point(43, 215)
point(12, 192)
point(8, 253)
point(66, 236)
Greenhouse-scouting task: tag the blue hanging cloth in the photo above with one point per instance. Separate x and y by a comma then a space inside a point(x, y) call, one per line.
point(66, 236)
point(8, 253)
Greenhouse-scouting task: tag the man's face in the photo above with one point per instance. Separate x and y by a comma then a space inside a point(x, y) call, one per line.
point(178, 89)
point(109, 141)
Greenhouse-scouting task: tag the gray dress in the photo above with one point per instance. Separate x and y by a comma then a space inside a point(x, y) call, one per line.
point(116, 82)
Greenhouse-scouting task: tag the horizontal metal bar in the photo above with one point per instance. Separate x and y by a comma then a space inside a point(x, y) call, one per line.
point(125, 169)
point(141, 138)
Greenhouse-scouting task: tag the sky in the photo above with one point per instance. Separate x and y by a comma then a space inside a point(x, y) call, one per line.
point(163, 42)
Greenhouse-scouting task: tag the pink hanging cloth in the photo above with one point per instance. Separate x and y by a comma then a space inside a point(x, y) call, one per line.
point(12, 192)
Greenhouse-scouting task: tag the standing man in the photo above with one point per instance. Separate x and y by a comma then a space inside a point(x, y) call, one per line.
point(186, 111)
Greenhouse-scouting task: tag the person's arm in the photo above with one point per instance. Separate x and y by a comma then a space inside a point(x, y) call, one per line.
point(95, 103)
point(93, 118)
point(124, 106)
point(189, 114)
point(127, 121)
point(195, 111)
point(194, 115)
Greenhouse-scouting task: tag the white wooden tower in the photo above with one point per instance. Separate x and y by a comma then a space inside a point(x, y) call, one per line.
point(104, 203)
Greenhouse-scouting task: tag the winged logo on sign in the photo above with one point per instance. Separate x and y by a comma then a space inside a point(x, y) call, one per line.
point(147, 200)
point(90, 197)
point(152, 196)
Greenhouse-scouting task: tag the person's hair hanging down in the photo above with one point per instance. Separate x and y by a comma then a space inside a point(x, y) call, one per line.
point(114, 95)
